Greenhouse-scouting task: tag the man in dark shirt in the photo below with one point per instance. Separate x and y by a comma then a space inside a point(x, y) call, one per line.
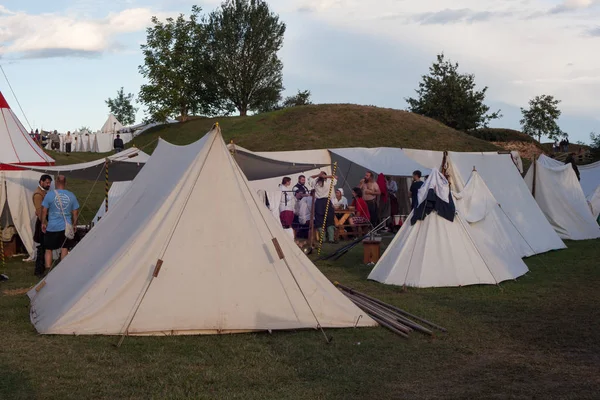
point(300, 190)
point(118, 144)
point(414, 188)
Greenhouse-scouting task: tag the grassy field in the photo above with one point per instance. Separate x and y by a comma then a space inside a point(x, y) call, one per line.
point(537, 337)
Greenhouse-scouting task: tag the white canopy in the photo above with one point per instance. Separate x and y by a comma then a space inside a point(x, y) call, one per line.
point(382, 160)
point(436, 253)
point(112, 125)
point(594, 202)
point(169, 262)
point(561, 198)
point(123, 166)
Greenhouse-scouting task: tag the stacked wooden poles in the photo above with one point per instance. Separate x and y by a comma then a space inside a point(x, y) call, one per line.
point(395, 319)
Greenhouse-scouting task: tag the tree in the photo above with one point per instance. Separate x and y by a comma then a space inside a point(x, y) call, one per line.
point(451, 98)
point(595, 140)
point(85, 129)
point(302, 98)
point(245, 37)
point(178, 69)
point(122, 107)
point(540, 119)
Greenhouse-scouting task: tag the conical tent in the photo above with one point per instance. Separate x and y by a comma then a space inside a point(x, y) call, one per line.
point(561, 198)
point(112, 125)
point(189, 250)
point(18, 149)
point(436, 252)
point(16, 146)
point(488, 221)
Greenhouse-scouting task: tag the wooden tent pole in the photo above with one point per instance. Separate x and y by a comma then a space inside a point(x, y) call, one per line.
point(106, 186)
point(534, 176)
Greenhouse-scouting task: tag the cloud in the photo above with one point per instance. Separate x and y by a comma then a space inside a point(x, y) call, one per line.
point(25, 35)
point(572, 5)
point(453, 16)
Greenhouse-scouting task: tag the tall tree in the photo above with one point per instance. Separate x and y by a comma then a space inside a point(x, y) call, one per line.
point(245, 37)
point(178, 69)
point(451, 98)
point(540, 119)
point(122, 107)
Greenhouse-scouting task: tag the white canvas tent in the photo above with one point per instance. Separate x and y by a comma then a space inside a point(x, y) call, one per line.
point(590, 177)
point(169, 263)
point(561, 198)
point(17, 150)
point(115, 194)
point(594, 202)
point(436, 252)
point(112, 125)
point(503, 179)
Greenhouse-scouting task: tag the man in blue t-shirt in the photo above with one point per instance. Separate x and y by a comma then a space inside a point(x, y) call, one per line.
point(60, 206)
point(414, 188)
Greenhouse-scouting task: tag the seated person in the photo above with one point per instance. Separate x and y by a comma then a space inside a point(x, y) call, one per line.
point(339, 201)
point(361, 215)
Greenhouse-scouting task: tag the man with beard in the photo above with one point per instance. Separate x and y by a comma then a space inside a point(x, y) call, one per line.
point(370, 191)
point(38, 236)
point(300, 190)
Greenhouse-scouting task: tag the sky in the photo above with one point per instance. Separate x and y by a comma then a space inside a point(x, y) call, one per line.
point(64, 58)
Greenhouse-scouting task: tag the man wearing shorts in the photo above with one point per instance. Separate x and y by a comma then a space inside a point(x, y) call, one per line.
point(60, 206)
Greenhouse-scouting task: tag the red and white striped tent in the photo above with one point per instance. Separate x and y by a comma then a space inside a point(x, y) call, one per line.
point(16, 146)
point(17, 214)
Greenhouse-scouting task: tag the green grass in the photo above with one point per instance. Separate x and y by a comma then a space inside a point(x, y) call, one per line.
point(533, 338)
point(324, 126)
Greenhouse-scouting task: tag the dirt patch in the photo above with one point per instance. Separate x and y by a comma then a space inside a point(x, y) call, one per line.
point(16, 292)
point(526, 150)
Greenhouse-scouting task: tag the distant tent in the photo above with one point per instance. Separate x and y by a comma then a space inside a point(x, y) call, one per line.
point(594, 202)
point(590, 177)
point(170, 263)
point(112, 125)
point(438, 251)
point(561, 198)
point(17, 150)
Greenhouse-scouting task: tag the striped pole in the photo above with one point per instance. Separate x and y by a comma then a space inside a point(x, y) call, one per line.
point(324, 227)
point(106, 186)
point(2, 251)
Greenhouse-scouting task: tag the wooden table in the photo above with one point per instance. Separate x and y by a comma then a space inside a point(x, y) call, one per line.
point(341, 222)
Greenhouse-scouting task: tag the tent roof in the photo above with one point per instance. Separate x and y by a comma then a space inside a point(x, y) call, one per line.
point(382, 160)
point(561, 198)
point(436, 252)
point(16, 146)
point(257, 166)
point(124, 166)
point(170, 262)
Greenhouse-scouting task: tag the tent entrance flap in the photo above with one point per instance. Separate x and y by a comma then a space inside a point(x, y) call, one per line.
point(256, 167)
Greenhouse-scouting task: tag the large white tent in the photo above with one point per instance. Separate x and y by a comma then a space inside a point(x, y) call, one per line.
point(115, 194)
point(170, 264)
point(560, 196)
point(501, 175)
point(17, 150)
point(112, 125)
point(437, 252)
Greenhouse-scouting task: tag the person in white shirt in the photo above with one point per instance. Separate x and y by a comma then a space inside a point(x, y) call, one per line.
point(322, 184)
point(68, 142)
point(287, 204)
point(339, 201)
point(303, 211)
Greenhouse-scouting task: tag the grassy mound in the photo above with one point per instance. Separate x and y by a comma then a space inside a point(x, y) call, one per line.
point(323, 126)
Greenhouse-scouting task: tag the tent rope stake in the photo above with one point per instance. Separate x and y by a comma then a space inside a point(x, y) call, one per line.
point(324, 227)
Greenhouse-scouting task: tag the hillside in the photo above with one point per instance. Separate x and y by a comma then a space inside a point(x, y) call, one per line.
point(323, 126)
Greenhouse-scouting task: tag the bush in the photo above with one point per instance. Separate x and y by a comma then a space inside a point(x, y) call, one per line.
point(501, 135)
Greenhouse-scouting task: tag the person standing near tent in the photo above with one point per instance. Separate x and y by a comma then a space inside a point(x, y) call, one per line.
point(118, 144)
point(370, 191)
point(414, 189)
point(287, 204)
point(38, 235)
point(322, 184)
point(392, 189)
point(571, 160)
point(68, 142)
point(55, 141)
point(300, 189)
point(60, 207)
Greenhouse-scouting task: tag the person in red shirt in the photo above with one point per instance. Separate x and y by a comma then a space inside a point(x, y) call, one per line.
point(361, 216)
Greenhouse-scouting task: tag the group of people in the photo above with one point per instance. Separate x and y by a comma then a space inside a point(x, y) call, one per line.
point(54, 138)
point(373, 200)
point(54, 210)
point(563, 145)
